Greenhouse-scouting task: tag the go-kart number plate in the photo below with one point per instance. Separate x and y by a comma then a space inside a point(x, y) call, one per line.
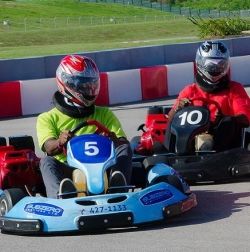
point(104, 209)
point(91, 148)
point(191, 117)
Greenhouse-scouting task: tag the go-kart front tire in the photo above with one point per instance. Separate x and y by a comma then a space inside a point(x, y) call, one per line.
point(9, 198)
point(169, 179)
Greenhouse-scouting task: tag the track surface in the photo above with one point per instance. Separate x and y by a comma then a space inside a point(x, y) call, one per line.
point(220, 222)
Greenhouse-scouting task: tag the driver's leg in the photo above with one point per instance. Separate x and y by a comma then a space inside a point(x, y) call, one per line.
point(123, 161)
point(53, 172)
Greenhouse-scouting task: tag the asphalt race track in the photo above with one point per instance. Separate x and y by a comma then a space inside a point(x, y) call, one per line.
point(220, 222)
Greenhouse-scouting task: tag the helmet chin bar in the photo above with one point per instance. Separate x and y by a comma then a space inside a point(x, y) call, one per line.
point(72, 100)
point(210, 87)
point(211, 80)
point(71, 103)
point(68, 107)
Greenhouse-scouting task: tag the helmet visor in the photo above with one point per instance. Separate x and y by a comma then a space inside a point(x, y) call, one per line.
point(215, 68)
point(86, 86)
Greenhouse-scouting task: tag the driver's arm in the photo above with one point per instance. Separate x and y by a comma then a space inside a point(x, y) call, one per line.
point(180, 103)
point(240, 105)
point(54, 146)
point(182, 100)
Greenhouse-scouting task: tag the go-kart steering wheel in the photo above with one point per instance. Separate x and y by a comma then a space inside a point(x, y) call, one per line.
point(100, 128)
point(207, 102)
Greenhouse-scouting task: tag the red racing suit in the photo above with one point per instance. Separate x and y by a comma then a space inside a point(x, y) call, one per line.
point(233, 100)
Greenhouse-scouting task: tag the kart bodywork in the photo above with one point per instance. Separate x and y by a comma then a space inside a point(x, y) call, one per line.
point(19, 165)
point(163, 195)
point(177, 149)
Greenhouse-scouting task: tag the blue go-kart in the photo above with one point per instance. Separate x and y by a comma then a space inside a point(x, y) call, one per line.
point(163, 195)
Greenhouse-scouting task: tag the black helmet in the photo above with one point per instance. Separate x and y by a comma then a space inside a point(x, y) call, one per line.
point(212, 64)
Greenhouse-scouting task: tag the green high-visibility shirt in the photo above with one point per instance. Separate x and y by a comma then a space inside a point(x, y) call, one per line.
point(50, 124)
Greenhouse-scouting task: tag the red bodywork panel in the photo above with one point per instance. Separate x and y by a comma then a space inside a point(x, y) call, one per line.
point(18, 168)
point(155, 125)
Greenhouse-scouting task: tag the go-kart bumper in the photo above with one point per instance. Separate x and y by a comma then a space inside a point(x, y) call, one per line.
point(132, 217)
point(180, 207)
point(21, 225)
point(103, 221)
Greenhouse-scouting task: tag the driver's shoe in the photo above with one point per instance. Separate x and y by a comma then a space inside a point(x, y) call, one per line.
point(204, 142)
point(67, 189)
point(117, 183)
point(79, 180)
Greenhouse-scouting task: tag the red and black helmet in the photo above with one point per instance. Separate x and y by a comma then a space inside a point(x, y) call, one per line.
point(78, 79)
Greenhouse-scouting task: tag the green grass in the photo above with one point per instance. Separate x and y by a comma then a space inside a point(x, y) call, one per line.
point(21, 44)
point(215, 4)
point(40, 38)
point(63, 8)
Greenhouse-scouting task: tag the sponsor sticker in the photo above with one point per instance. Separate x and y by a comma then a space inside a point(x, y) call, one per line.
point(43, 209)
point(156, 197)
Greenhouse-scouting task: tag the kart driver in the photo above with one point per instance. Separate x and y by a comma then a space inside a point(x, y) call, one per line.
point(213, 84)
point(78, 83)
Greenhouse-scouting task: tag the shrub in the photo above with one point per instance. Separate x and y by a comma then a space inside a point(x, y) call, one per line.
point(221, 27)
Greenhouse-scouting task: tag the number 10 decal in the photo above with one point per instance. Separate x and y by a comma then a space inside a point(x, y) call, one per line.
point(91, 149)
point(188, 117)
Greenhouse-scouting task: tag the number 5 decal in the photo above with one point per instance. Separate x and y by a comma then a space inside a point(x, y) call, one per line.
point(188, 117)
point(91, 149)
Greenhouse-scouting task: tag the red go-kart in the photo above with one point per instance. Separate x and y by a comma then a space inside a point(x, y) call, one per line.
point(19, 165)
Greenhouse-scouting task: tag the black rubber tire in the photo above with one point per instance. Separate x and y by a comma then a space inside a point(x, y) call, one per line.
point(9, 198)
point(155, 110)
point(159, 148)
point(149, 162)
point(170, 179)
point(166, 109)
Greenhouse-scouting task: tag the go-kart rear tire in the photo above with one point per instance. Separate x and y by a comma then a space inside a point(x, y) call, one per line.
point(9, 198)
point(155, 110)
point(170, 179)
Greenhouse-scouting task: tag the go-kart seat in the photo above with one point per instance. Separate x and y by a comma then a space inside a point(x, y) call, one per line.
point(3, 141)
point(180, 137)
point(22, 142)
point(247, 138)
point(228, 134)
